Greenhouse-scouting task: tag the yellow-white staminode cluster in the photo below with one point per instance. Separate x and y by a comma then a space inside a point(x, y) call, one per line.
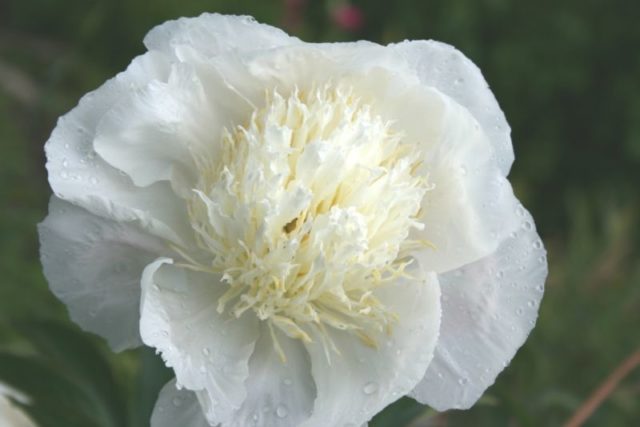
point(306, 211)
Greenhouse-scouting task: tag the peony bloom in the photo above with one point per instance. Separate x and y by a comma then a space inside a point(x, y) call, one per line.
point(304, 232)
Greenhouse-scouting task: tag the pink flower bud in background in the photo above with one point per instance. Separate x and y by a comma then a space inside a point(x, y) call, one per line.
point(348, 17)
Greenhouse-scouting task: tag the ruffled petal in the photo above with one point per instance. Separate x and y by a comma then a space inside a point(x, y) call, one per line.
point(213, 34)
point(471, 207)
point(488, 309)
point(278, 394)
point(79, 175)
point(445, 68)
point(361, 381)
point(177, 408)
point(94, 266)
point(165, 123)
point(208, 351)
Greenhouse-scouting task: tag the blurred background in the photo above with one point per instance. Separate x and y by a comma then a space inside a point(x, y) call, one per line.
point(567, 75)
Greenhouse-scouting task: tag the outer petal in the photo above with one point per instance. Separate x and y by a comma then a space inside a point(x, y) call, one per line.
point(163, 123)
point(79, 175)
point(443, 67)
point(464, 211)
point(213, 34)
point(471, 206)
point(94, 265)
point(208, 351)
point(489, 307)
point(361, 381)
point(177, 408)
point(279, 394)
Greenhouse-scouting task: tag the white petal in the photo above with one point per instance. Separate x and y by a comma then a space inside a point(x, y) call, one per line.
point(488, 309)
point(213, 34)
point(208, 351)
point(177, 408)
point(79, 175)
point(471, 206)
point(151, 134)
point(354, 386)
point(94, 265)
point(445, 68)
point(279, 394)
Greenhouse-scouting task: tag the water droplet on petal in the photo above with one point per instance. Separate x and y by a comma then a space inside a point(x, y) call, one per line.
point(177, 401)
point(206, 351)
point(370, 388)
point(282, 411)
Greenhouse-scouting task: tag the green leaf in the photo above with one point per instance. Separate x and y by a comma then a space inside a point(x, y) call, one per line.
point(77, 356)
point(152, 376)
point(55, 400)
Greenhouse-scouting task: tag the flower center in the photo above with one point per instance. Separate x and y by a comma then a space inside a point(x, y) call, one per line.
point(306, 211)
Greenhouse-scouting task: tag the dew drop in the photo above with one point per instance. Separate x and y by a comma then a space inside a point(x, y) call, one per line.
point(463, 381)
point(519, 312)
point(65, 163)
point(537, 244)
point(177, 401)
point(527, 225)
point(206, 351)
point(282, 411)
point(370, 388)
point(531, 303)
point(94, 180)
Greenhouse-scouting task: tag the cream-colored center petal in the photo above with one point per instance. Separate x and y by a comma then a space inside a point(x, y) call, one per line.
point(306, 211)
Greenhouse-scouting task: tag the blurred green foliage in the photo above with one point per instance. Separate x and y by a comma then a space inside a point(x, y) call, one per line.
point(567, 74)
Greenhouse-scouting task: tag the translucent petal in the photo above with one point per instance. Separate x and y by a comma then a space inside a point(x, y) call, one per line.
point(361, 381)
point(213, 34)
point(443, 67)
point(488, 309)
point(208, 351)
point(79, 175)
point(464, 213)
point(278, 394)
point(94, 265)
point(177, 408)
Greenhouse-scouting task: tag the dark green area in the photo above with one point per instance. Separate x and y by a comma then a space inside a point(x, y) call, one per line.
point(567, 74)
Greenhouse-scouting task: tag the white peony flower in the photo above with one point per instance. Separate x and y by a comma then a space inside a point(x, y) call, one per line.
point(305, 232)
point(11, 415)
